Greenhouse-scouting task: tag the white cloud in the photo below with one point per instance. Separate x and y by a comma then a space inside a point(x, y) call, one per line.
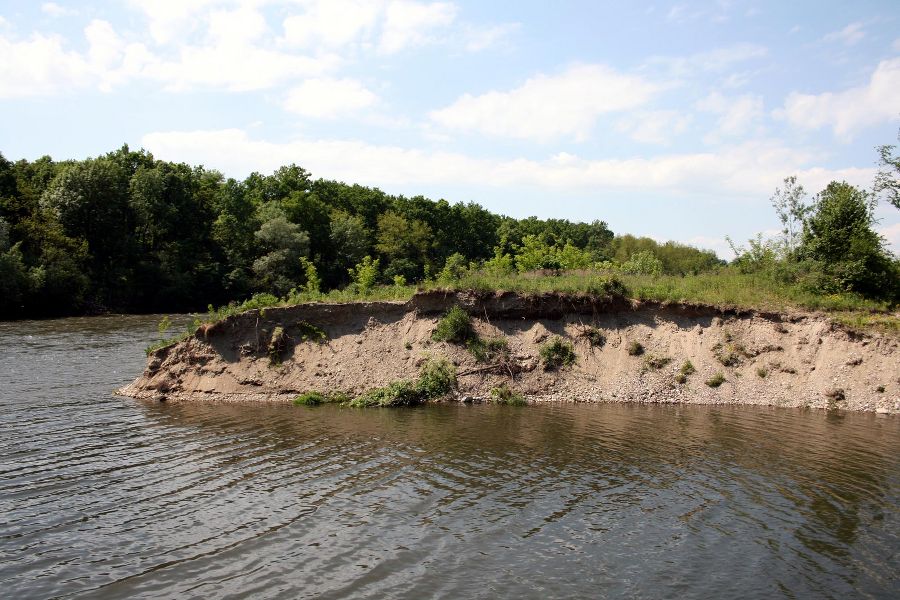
point(480, 38)
point(713, 61)
point(39, 66)
point(545, 106)
point(737, 115)
point(411, 23)
point(853, 109)
point(328, 98)
point(654, 127)
point(332, 23)
point(172, 19)
point(848, 36)
point(750, 170)
point(53, 9)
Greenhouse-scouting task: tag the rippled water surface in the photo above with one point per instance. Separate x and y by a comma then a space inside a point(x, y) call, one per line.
point(104, 497)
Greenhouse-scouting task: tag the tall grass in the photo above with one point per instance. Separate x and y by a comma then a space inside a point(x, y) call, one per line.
point(726, 289)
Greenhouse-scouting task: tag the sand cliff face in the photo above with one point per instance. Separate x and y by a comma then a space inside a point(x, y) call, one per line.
point(797, 360)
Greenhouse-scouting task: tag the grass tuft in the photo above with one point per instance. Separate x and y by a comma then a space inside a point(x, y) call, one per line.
point(557, 353)
point(503, 394)
point(716, 380)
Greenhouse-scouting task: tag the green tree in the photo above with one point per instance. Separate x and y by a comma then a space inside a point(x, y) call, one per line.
point(887, 180)
point(839, 235)
point(790, 206)
point(284, 243)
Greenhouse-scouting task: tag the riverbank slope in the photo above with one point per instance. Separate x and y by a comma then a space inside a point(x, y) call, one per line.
point(625, 352)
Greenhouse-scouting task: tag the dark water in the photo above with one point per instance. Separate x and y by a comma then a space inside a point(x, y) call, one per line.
point(103, 497)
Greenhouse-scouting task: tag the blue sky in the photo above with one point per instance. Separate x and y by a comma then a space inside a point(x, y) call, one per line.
point(675, 120)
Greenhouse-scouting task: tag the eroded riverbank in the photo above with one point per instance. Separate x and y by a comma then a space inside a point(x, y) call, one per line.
point(789, 360)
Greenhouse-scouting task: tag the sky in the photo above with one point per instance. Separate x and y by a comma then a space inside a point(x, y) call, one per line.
point(674, 120)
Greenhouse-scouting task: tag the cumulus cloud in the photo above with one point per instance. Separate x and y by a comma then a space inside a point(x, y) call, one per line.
point(328, 98)
point(332, 23)
point(737, 115)
point(750, 170)
point(654, 127)
point(411, 23)
point(712, 61)
point(548, 106)
point(851, 110)
point(53, 9)
point(848, 36)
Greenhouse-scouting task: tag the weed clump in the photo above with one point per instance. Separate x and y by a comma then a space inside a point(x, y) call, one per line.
point(762, 372)
point(277, 345)
point(455, 327)
point(486, 350)
point(503, 394)
point(655, 362)
point(635, 349)
point(313, 398)
point(685, 371)
point(880, 389)
point(557, 353)
point(594, 337)
point(437, 378)
point(716, 380)
point(310, 333)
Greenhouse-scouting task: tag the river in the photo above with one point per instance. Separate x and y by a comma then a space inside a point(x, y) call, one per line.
point(107, 497)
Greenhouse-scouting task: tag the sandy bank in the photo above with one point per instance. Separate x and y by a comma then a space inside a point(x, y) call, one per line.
point(790, 360)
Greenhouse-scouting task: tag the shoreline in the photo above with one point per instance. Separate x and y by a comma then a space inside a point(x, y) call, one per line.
point(764, 358)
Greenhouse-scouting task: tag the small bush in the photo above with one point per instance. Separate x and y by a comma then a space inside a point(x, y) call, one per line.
point(313, 398)
point(716, 380)
point(437, 378)
point(408, 345)
point(557, 353)
point(594, 337)
point(502, 394)
point(880, 389)
point(310, 333)
point(656, 362)
point(486, 350)
point(277, 345)
point(396, 393)
point(455, 327)
point(762, 372)
point(686, 370)
point(635, 349)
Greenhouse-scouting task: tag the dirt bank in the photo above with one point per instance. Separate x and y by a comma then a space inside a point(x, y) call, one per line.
point(791, 360)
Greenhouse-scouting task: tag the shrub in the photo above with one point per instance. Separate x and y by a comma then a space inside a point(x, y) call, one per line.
point(437, 378)
point(396, 393)
point(485, 350)
point(880, 389)
point(313, 398)
point(635, 349)
point(502, 394)
point(557, 353)
point(455, 327)
point(716, 380)
point(762, 372)
point(594, 337)
point(686, 369)
point(656, 362)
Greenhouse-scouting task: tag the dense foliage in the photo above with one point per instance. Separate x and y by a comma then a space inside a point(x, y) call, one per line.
point(127, 232)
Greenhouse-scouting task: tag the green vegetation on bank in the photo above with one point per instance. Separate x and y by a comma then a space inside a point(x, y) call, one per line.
point(127, 232)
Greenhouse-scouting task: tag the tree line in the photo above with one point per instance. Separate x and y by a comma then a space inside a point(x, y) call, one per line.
point(126, 232)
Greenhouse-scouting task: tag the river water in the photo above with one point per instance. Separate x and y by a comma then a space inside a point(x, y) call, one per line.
point(105, 497)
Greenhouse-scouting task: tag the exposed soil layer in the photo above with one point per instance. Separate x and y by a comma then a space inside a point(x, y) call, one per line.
point(790, 360)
